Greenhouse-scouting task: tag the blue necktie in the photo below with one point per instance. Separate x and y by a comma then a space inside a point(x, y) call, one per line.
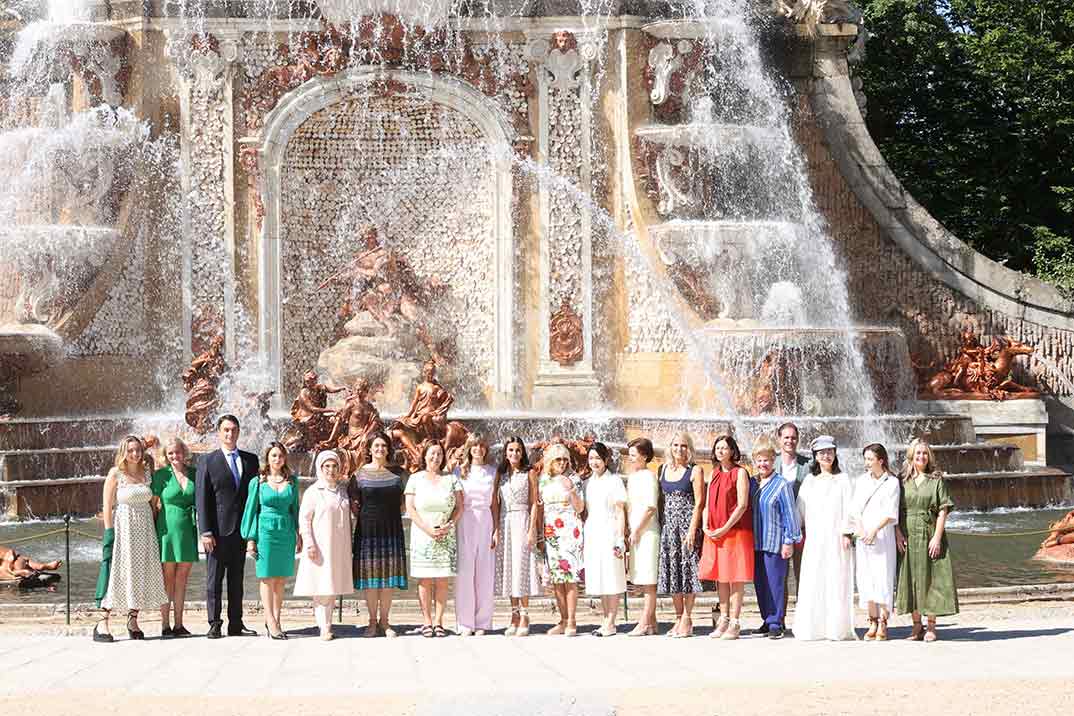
point(235, 468)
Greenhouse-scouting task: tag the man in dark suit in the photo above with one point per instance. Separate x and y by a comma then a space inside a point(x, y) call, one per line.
point(221, 486)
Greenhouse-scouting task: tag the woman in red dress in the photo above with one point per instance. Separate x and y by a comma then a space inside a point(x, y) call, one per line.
point(727, 558)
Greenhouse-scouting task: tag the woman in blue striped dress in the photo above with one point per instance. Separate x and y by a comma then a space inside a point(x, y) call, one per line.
point(775, 532)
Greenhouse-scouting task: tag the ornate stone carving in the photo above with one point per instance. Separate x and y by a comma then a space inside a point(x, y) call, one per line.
point(979, 372)
point(812, 12)
point(566, 343)
point(387, 42)
point(101, 65)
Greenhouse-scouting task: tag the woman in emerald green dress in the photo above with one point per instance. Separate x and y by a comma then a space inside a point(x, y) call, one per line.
point(926, 578)
point(270, 528)
point(173, 487)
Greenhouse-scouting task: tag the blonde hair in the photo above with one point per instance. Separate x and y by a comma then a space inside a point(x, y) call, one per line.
point(686, 440)
point(467, 459)
point(763, 445)
point(175, 442)
point(555, 451)
point(121, 451)
point(908, 470)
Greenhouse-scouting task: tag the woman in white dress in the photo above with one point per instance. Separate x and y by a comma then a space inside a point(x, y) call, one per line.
point(605, 572)
point(874, 514)
point(434, 504)
point(326, 525)
point(516, 561)
point(825, 608)
point(136, 579)
point(642, 500)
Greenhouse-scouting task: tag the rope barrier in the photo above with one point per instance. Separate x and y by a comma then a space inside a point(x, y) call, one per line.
point(1029, 533)
point(33, 537)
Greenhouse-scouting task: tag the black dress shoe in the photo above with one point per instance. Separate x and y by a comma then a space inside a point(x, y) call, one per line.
point(214, 631)
point(134, 633)
point(103, 638)
point(167, 633)
point(180, 631)
point(763, 629)
point(240, 630)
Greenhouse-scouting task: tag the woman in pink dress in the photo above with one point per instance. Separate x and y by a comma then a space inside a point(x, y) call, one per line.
point(324, 521)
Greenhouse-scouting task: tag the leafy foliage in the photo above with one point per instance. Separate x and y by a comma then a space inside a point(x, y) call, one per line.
point(972, 103)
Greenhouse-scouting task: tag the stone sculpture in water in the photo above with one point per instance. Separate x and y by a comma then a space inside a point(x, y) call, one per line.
point(1059, 545)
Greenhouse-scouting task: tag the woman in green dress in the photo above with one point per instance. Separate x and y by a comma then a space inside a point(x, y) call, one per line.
point(926, 578)
point(177, 531)
point(270, 528)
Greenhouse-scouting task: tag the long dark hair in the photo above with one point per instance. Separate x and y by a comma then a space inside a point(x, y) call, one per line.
point(504, 468)
point(880, 452)
point(736, 453)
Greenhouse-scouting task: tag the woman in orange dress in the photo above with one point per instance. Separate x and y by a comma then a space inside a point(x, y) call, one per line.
point(727, 558)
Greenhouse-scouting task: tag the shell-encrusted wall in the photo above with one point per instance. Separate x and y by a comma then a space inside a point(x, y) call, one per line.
point(422, 174)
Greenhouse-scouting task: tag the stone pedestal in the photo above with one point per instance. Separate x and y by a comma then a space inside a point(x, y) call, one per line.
point(1021, 421)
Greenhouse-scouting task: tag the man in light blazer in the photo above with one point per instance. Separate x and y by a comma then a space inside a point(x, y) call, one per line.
point(221, 485)
point(793, 468)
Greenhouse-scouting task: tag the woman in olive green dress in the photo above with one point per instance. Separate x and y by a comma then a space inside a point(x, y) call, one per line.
point(926, 578)
point(173, 488)
point(270, 528)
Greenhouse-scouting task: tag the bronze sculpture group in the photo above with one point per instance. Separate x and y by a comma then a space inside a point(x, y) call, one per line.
point(980, 372)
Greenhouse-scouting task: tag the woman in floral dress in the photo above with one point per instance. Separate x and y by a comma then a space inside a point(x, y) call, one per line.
point(561, 498)
point(433, 503)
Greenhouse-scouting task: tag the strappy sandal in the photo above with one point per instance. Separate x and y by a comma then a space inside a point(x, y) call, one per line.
point(439, 631)
point(917, 633)
point(930, 633)
point(882, 630)
point(512, 628)
point(721, 626)
point(734, 628)
point(133, 631)
point(874, 624)
point(427, 631)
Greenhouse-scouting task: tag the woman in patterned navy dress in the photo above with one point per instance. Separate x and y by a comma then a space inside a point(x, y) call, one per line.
point(682, 487)
point(379, 541)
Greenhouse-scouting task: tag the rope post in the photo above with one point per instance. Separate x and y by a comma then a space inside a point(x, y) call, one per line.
point(626, 595)
point(340, 608)
point(67, 561)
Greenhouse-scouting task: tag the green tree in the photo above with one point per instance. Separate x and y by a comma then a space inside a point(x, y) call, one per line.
point(972, 103)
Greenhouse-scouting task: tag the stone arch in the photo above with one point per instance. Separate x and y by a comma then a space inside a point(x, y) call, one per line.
point(282, 124)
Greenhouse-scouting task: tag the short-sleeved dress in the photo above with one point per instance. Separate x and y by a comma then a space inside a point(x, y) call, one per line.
point(562, 530)
point(177, 529)
point(643, 493)
point(434, 502)
point(926, 585)
point(379, 540)
point(605, 572)
point(678, 565)
point(271, 520)
point(516, 563)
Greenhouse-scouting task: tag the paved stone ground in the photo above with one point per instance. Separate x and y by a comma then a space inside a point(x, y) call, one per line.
point(994, 659)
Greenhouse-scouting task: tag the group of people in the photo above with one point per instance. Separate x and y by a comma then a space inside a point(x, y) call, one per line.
point(511, 529)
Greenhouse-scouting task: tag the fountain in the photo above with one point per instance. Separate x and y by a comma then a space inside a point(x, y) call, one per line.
point(614, 218)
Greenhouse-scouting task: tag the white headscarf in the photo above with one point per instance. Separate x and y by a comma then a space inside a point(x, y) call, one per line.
point(322, 457)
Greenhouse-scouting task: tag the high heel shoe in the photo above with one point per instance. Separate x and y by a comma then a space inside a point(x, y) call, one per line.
point(512, 628)
point(133, 631)
point(721, 627)
point(734, 628)
point(874, 625)
point(917, 633)
point(101, 637)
